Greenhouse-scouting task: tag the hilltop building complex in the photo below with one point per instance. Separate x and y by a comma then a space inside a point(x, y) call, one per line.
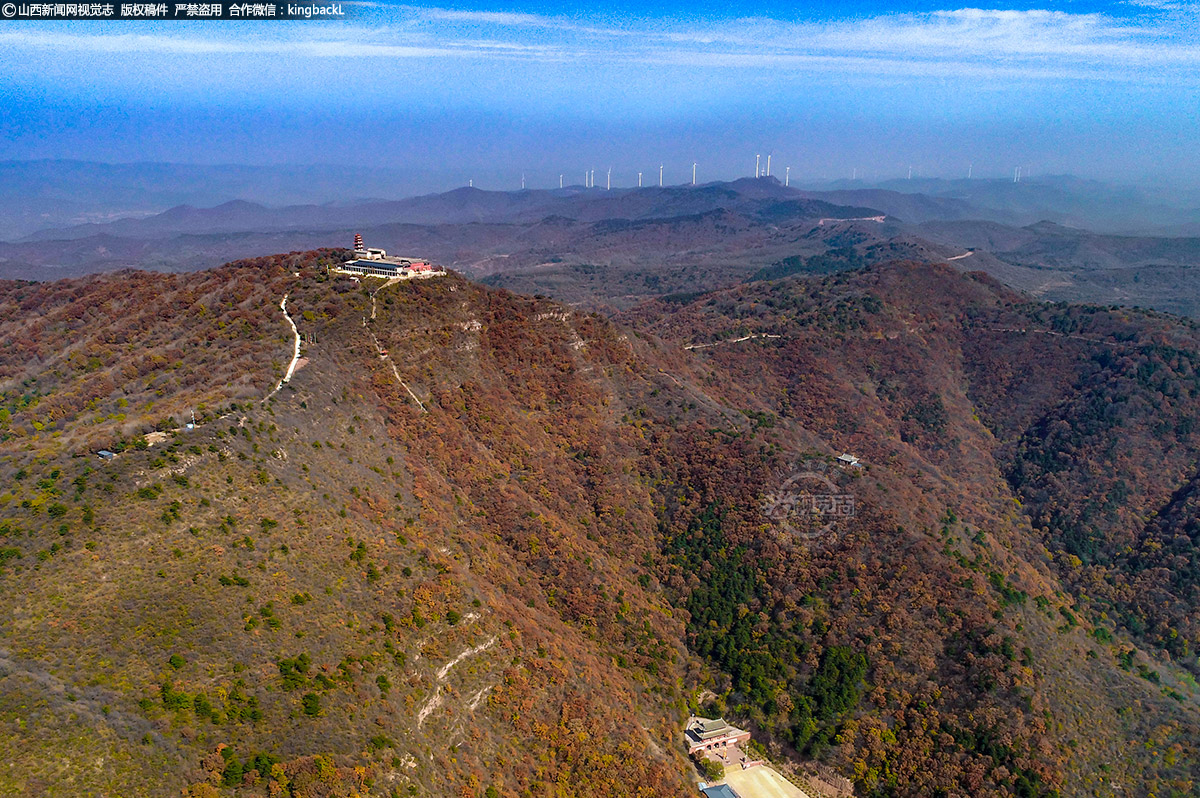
point(704, 734)
point(376, 263)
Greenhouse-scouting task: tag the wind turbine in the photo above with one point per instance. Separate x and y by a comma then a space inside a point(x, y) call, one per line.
point(660, 168)
point(560, 180)
point(639, 179)
point(756, 161)
point(768, 164)
point(693, 173)
point(787, 176)
point(970, 169)
point(522, 181)
point(608, 184)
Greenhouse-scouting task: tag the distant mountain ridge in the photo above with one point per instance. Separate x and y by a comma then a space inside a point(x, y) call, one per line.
point(44, 194)
point(464, 206)
point(611, 249)
point(1065, 199)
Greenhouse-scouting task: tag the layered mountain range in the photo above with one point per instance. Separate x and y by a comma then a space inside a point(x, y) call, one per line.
point(612, 249)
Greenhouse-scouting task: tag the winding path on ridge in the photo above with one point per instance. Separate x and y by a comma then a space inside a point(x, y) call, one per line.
point(750, 337)
point(444, 671)
point(383, 353)
point(291, 369)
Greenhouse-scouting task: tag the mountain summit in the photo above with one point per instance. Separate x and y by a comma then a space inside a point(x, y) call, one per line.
point(487, 544)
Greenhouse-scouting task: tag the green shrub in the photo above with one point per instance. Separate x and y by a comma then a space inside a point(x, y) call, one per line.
point(171, 512)
point(379, 742)
point(172, 698)
point(149, 492)
point(713, 770)
point(293, 672)
point(204, 709)
point(232, 775)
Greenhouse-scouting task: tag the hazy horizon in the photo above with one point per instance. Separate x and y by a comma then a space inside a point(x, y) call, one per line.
point(676, 174)
point(488, 93)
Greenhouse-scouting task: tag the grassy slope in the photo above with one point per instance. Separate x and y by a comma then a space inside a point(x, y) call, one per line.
point(417, 538)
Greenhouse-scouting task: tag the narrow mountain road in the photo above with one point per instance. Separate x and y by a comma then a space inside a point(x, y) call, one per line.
point(383, 356)
point(1055, 334)
point(444, 671)
point(383, 352)
point(960, 257)
point(390, 281)
point(291, 369)
point(880, 219)
point(436, 699)
point(295, 343)
point(731, 341)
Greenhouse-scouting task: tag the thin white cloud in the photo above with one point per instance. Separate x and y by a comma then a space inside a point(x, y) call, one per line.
point(128, 43)
point(1165, 5)
point(973, 43)
point(504, 18)
point(971, 34)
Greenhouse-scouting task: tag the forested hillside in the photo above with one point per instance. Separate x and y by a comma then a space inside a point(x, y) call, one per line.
point(486, 545)
point(1021, 566)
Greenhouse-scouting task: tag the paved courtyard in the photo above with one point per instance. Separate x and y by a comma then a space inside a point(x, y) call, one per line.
point(761, 782)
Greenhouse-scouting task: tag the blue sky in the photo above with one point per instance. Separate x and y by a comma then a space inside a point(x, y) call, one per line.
point(492, 90)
